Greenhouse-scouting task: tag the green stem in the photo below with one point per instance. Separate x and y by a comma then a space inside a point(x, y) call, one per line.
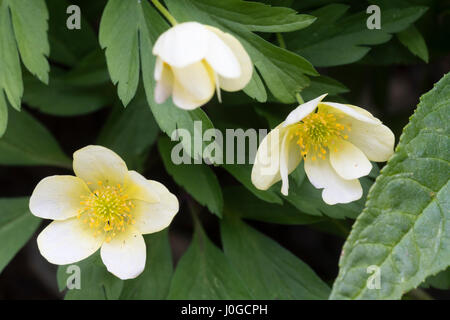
point(164, 12)
point(299, 98)
point(281, 41)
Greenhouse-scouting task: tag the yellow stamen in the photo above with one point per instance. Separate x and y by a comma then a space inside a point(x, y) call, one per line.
point(318, 132)
point(107, 210)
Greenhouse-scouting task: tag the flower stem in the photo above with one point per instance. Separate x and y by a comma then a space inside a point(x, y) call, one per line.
point(299, 98)
point(281, 41)
point(164, 12)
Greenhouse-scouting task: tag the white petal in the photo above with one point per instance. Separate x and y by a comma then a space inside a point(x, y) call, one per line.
point(375, 140)
point(159, 65)
point(361, 115)
point(268, 162)
point(221, 57)
point(289, 160)
point(58, 197)
point(68, 241)
point(196, 79)
point(154, 217)
point(245, 63)
point(183, 44)
point(336, 189)
point(97, 163)
point(348, 161)
point(124, 256)
point(139, 188)
point(164, 84)
point(303, 110)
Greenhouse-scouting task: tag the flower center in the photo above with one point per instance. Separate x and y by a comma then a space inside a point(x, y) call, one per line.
point(107, 210)
point(318, 132)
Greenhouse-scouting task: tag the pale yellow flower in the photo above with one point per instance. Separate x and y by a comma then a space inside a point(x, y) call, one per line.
point(193, 60)
point(337, 142)
point(104, 206)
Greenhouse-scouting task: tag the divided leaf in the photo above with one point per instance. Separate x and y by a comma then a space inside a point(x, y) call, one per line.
point(199, 180)
point(128, 30)
point(17, 225)
point(33, 146)
point(405, 228)
point(338, 39)
point(204, 273)
point(269, 271)
point(284, 72)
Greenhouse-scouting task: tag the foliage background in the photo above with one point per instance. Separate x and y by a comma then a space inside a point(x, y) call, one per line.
point(81, 106)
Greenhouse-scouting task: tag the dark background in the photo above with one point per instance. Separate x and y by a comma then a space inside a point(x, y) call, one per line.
point(390, 92)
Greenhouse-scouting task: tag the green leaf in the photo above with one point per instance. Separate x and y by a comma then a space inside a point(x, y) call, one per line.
point(337, 39)
point(10, 71)
point(321, 85)
point(268, 270)
point(242, 173)
point(29, 18)
point(404, 228)
point(17, 225)
point(413, 40)
point(154, 282)
point(33, 146)
point(244, 204)
point(283, 72)
point(60, 98)
point(120, 26)
point(128, 30)
point(199, 180)
point(96, 283)
point(3, 114)
point(204, 273)
point(130, 132)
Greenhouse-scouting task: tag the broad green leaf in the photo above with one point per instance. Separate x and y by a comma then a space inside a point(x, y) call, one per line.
point(404, 228)
point(17, 225)
point(413, 40)
point(283, 72)
point(154, 282)
point(269, 271)
point(243, 203)
point(204, 273)
point(60, 98)
point(242, 173)
point(128, 30)
point(337, 39)
point(27, 142)
point(96, 283)
point(29, 19)
point(199, 180)
point(130, 132)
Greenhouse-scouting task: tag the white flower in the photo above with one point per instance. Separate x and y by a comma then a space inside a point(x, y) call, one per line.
point(336, 143)
point(193, 60)
point(105, 206)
